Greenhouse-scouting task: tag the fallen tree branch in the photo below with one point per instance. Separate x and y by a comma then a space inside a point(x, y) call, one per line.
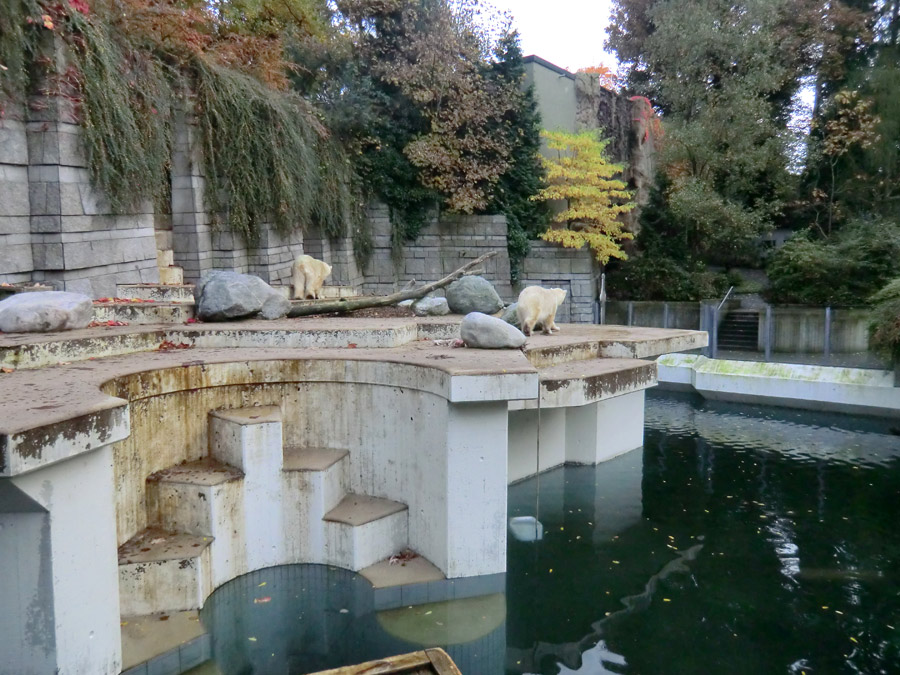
point(350, 304)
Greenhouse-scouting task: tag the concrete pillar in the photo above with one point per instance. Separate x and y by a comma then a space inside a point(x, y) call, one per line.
point(191, 230)
point(600, 431)
point(476, 488)
point(251, 440)
point(77, 552)
point(523, 441)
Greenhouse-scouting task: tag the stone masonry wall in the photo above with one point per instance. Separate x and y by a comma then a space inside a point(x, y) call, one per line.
point(442, 247)
point(54, 227)
point(551, 266)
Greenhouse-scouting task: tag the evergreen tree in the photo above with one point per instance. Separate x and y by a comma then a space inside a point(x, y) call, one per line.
point(525, 177)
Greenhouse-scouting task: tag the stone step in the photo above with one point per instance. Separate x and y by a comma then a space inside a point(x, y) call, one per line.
point(157, 292)
point(202, 498)
point(164, 239)
point(140, 313)
point(165, 257)
point(163, 571)
point(171, 275)
point(315, 481)
point(250, 439)
point(362, 530)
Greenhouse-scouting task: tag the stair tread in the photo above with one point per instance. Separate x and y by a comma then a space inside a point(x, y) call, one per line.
point(250, 415)
point(311, 459)
point(156, 545)
point(206, 471)
point(361, 509)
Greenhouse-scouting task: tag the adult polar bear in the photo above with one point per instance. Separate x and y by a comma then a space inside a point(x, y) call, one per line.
point(308, 275)
point(538, 306)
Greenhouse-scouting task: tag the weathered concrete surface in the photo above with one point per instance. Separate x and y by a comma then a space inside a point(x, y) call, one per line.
point(853, 390)
point(577, 383)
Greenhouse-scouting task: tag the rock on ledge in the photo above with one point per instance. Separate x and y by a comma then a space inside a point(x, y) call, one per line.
point(45, 312)
point(473, 294)
point(487, 332)
point(223, 296)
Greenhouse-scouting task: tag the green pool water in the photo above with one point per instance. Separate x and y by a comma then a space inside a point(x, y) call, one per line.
point(741, 539)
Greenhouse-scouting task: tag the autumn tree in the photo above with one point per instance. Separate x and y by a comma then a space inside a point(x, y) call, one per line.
point(579, 173)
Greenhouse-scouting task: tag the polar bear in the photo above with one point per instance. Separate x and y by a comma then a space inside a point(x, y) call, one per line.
point(538, 306)
point(308, 276)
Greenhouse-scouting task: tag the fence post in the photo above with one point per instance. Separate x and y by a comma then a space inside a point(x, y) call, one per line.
point(715, 330)
point(828, 331)
point(596, 312)
point(665, 315)
point(767, 338)
point(630, 311)
point(603, 312)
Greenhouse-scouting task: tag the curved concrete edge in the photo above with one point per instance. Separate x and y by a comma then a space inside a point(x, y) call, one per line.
point(850, 390)
point(79, 408)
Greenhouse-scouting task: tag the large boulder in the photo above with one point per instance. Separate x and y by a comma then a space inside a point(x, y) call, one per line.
point(223, 296)
point(473, 294)
point(510, 315)
point(488, 332)
point(431, 306)
point(45, 311)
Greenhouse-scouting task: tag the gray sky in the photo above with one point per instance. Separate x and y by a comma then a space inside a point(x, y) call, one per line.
point(568, 33)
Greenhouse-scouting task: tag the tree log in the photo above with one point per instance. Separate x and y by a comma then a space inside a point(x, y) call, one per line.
point(350, 304)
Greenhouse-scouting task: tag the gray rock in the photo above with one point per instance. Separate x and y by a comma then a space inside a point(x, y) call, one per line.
point(405, 303)
point(46, 311)
point(431, 306)
point(510, 315)
point(488, 332)
point(223, 296)
point(473, 294)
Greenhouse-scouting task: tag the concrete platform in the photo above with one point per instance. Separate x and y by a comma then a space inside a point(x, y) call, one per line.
point(86, 417)
point(386, 574)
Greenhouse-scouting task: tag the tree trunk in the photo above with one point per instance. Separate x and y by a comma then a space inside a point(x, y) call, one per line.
point(348, 305)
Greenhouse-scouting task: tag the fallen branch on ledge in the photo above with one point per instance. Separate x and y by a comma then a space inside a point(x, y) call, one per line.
point(350, 304)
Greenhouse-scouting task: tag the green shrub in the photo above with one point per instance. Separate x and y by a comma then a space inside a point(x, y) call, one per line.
point(662, 278)
point(842, 271)
point(884, 329)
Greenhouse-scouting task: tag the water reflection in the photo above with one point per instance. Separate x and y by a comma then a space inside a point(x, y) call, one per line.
point(766, 542)
point(741, 540)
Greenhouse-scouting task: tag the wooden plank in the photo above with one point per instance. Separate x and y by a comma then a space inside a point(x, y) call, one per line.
point(413, 663)
point(441, 662)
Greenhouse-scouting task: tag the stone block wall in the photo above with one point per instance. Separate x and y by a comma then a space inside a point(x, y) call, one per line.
point(336, 252)
point(552, 266)
point(443, 246)
point(16, 261)
point(54, 227)
point(270, 260)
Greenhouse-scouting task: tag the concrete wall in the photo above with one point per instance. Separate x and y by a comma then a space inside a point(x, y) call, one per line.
point(554, 88)
point(796, 330)
point(54, 227)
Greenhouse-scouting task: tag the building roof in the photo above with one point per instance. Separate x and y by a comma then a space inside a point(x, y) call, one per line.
point(533, 58)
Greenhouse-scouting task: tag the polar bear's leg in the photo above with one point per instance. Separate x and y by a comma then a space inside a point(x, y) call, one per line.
point(298, 281)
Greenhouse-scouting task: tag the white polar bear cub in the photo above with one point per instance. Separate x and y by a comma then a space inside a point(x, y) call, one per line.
point(308, 276)
point(538, 306)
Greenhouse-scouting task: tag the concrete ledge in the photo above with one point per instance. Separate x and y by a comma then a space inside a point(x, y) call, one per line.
point(851, 390)
point(578, 383)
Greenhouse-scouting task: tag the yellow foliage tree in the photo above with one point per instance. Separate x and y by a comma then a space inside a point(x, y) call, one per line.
point(580, 173)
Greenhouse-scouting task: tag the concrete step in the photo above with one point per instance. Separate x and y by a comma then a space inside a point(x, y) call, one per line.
point(171, 275)
point(163, 571)
point(315, 481)
point(143, 312)
point(362, 530)
point(165, 257)
point(164, 240)
point(157, 292)
point(202, 498)
point(250, 439)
